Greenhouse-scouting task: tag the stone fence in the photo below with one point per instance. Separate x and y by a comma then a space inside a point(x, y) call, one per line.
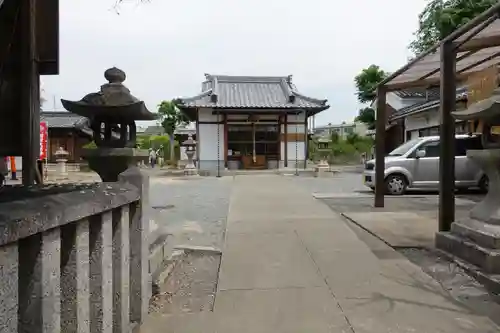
point(74, 258)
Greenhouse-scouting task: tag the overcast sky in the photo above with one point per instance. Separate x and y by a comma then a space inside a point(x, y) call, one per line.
point(166, 46)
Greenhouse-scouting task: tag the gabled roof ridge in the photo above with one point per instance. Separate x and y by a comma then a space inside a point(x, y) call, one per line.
point(196, 97)
point(309, 99)
point(247, 78)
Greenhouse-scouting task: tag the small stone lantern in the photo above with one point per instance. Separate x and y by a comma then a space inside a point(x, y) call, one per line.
point(190, 144)
point(61, 159)
point(112, 113)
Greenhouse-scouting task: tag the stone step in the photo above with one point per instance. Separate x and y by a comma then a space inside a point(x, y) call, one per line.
point(479, 233)
point(485, 258)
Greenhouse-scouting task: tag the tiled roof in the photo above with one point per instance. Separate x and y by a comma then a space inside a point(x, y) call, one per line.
point(426, 105)
point(62, 119)
point(252, 92)
point(418, 93)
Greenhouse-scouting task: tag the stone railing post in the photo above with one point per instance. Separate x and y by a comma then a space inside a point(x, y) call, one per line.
point(75, 306)
point(39, 307)
point(140, 284)
point(65, 268)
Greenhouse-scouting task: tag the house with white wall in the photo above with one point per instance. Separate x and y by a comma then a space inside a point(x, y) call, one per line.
point(422, 119)
point(250, 122)
point(343, 130)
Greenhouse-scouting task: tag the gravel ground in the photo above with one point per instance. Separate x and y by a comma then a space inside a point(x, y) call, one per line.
point(193, 209)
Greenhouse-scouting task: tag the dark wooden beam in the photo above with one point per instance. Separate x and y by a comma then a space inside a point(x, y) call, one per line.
point(447, 137)
point(285, 142)
point(380, 147)
point(30, 106)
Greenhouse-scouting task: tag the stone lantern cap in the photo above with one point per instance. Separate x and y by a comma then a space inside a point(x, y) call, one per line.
point(485, 109)
point(112, 103)
point(189, 142)
point(61, 153)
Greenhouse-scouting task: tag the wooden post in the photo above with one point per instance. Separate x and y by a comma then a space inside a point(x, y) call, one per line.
point(447, 138)
point(225, 140)
point(30, 105)
point(306, 140)
point(285, 141)
point(380, 147)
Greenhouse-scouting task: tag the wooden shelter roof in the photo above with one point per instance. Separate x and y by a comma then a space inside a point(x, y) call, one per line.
point(478, 49)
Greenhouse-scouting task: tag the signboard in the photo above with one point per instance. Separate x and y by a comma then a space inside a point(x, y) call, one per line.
point(480, 86)
point(44, 133)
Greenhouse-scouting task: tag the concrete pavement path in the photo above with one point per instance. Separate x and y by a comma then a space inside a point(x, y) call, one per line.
point(292, 265)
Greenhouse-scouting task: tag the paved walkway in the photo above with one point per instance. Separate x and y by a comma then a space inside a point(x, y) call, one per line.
point(292, 265)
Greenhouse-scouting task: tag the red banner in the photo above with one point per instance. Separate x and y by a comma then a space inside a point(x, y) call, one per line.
point(44, 133)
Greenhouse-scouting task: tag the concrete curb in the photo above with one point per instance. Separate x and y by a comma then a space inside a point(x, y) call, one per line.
point(491, 282)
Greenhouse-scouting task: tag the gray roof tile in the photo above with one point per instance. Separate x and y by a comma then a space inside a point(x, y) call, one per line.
point(61, 119)
point(253, 92)
point(433, 101)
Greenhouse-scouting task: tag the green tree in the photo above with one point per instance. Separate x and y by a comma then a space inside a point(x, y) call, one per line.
point(441, 17)
point(352, 138)
point(367, 81)
point(171, 118)
point(334, 137)
point(366, 116)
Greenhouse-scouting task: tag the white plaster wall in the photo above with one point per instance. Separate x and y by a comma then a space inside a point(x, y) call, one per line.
point(291, 145)
point(422, 120)
point(208, 142)
point(206, 115)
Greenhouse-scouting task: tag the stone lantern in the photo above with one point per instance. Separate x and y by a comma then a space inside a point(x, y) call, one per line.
point(112, 113)
point(190, 144)
point(477, 239)
point(61, 159)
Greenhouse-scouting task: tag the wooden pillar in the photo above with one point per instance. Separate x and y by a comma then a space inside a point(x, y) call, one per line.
point(380, 147)
point(285, 139)
point(225, 140)
point(306, 140)
point(447, 138)
point(30, 103)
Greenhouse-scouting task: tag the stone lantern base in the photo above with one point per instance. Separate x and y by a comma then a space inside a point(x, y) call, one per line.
point(322, 169)
point(110, 162)
point(477, 239)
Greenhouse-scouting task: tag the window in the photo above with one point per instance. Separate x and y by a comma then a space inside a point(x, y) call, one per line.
point(431, 149)
point(348, 130)
point(462, 145)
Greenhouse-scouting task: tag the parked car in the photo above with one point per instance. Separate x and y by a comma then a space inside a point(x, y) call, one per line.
point(415, 164)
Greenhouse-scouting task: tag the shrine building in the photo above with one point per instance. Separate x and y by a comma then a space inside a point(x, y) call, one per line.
point(250, 122)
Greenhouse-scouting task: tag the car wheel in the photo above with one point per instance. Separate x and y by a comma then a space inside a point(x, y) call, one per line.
point(396, 184)
point(484, 184)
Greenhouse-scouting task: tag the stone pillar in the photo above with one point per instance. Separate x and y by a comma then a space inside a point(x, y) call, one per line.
point(75, 277)
point(140, 280)
point(121, 270)
point(101, 274)
point(9, 272)
point(39, 281)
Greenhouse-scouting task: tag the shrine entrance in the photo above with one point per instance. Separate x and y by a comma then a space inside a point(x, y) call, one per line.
point(253, 145)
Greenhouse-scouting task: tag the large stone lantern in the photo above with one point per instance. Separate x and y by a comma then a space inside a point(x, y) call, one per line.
point(112, 113)
point(477, 239)
point(190, 168)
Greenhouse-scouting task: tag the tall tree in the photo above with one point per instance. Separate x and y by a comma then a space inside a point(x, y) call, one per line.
point(441, 17)
point(367, 81)
point(366, 116)
point(171, 118)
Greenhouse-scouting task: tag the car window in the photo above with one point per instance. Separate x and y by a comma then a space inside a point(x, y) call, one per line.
point(464, 144)
point(431, 149)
